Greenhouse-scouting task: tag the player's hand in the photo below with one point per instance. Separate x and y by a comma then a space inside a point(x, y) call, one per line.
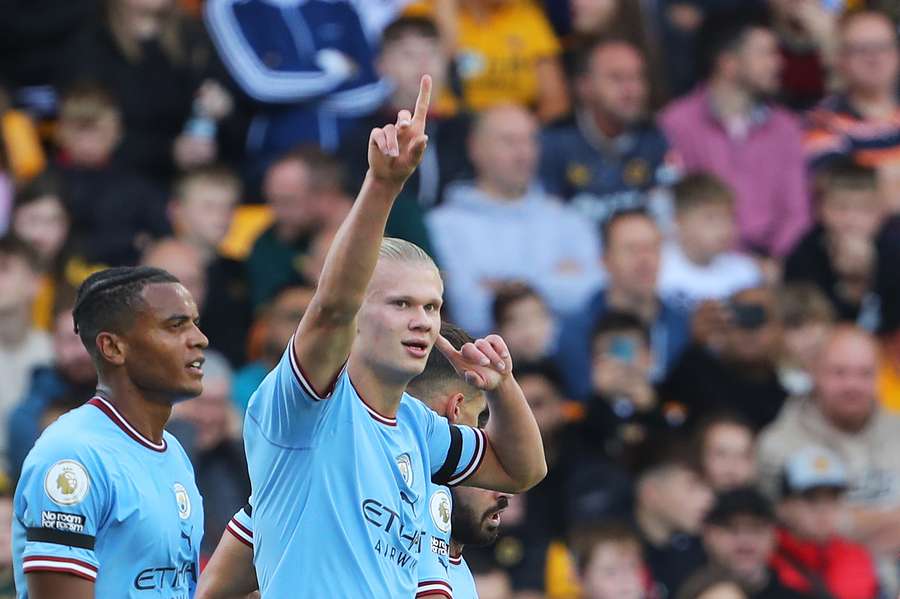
point(484, 364)
point(396, 150)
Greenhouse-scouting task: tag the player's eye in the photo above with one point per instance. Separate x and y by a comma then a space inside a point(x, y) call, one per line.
point(430, 307)
point(401, 303)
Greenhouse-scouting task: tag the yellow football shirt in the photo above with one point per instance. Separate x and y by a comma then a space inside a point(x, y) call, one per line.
point(496, 57)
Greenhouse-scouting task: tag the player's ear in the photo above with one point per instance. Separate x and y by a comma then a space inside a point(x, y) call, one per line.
point(111, 348)
point(454, 407)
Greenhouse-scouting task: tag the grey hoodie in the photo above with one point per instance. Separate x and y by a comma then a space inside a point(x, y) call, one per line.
point(534, 239)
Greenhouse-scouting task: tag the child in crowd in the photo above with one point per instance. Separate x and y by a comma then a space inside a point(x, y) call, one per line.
point(701, 264)
point(115, 212)
point(840, 256)
point(726, 444)
point(201, 212)
point(625, 409)
point(806, 318)
point(523, 320)
point(610, 563)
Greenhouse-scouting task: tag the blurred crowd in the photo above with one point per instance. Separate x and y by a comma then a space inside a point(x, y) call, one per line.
point(683, 216)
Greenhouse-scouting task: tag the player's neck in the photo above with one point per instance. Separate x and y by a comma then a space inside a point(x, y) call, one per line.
point(146, 415)
point(379, 393)
point(456, 549)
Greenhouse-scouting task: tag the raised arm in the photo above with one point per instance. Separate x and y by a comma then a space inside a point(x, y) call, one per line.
point(326, 332)
point(514, 458)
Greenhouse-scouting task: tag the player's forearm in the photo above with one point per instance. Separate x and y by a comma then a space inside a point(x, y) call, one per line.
point(354, 252)
point(515, 437)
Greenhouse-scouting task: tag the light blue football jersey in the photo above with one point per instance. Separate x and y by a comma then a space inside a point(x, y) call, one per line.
point(461, 579)
point(434, 575)
point(340, 491)
point(98, 500)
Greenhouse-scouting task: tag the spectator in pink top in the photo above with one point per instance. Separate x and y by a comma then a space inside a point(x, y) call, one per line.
point(730, 127)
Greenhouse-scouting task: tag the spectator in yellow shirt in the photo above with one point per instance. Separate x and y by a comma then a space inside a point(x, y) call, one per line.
point(506, 52)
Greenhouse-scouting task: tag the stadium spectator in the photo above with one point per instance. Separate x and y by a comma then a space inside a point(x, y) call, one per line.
point(594, 19)
point(806, 31)
point(302, 93)
point(201, 213)
point(860, 121)
point(729, 127)
point(22, 346)
point(806, 318)
point(273, 328)
point(301, 188)
point(532, 238)
point(506, 52)
point(700, 263)
point(524, 321)
point(671, 501)
point(71, 373)
point(537, 518)
point(182, 260)
point(739, 537)
point(159, 66)
point(741, 373)
point(841, 254)
point(811, 554)
point(610, 155)
point(41, 219)
point(624, 410)
point(411, 47)
point(631, 257)
point(213, 443)
point(727, 447)
point(610, 564)
point(843, 414)
point(106, 229)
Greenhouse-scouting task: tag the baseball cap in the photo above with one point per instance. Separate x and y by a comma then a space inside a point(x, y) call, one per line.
point(812, 468)
point(742, 501)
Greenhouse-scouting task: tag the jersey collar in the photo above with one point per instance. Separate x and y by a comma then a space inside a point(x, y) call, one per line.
point(114, 415)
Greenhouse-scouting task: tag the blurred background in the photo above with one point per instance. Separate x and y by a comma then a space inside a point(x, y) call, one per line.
point(682, 215)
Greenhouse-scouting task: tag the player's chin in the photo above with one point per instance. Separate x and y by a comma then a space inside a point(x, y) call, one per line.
point(190, 389)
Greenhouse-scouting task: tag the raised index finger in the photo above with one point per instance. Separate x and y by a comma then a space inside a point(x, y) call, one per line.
point(445, 347)
point(422, 102)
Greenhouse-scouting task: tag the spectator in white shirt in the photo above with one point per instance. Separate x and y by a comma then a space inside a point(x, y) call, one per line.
point(701, 264)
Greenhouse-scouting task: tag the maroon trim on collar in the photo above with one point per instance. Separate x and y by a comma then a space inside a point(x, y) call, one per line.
point(376, 416)
point(113, 414)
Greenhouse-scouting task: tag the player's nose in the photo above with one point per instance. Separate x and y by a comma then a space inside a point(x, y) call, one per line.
point(420, 320)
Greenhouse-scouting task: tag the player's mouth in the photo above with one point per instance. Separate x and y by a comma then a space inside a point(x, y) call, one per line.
point(195, 367)
point(417, 349)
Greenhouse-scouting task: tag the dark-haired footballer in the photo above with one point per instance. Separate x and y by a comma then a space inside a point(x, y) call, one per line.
point(107, 505)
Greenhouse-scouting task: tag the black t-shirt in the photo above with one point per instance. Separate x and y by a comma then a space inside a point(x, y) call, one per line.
point(673, 563)
point(702, 382)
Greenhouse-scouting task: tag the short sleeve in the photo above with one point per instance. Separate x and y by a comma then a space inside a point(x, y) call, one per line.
point(456, 452)
point(285, 406)
point(61, 503)
point(241, 526)
point(434, 563)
